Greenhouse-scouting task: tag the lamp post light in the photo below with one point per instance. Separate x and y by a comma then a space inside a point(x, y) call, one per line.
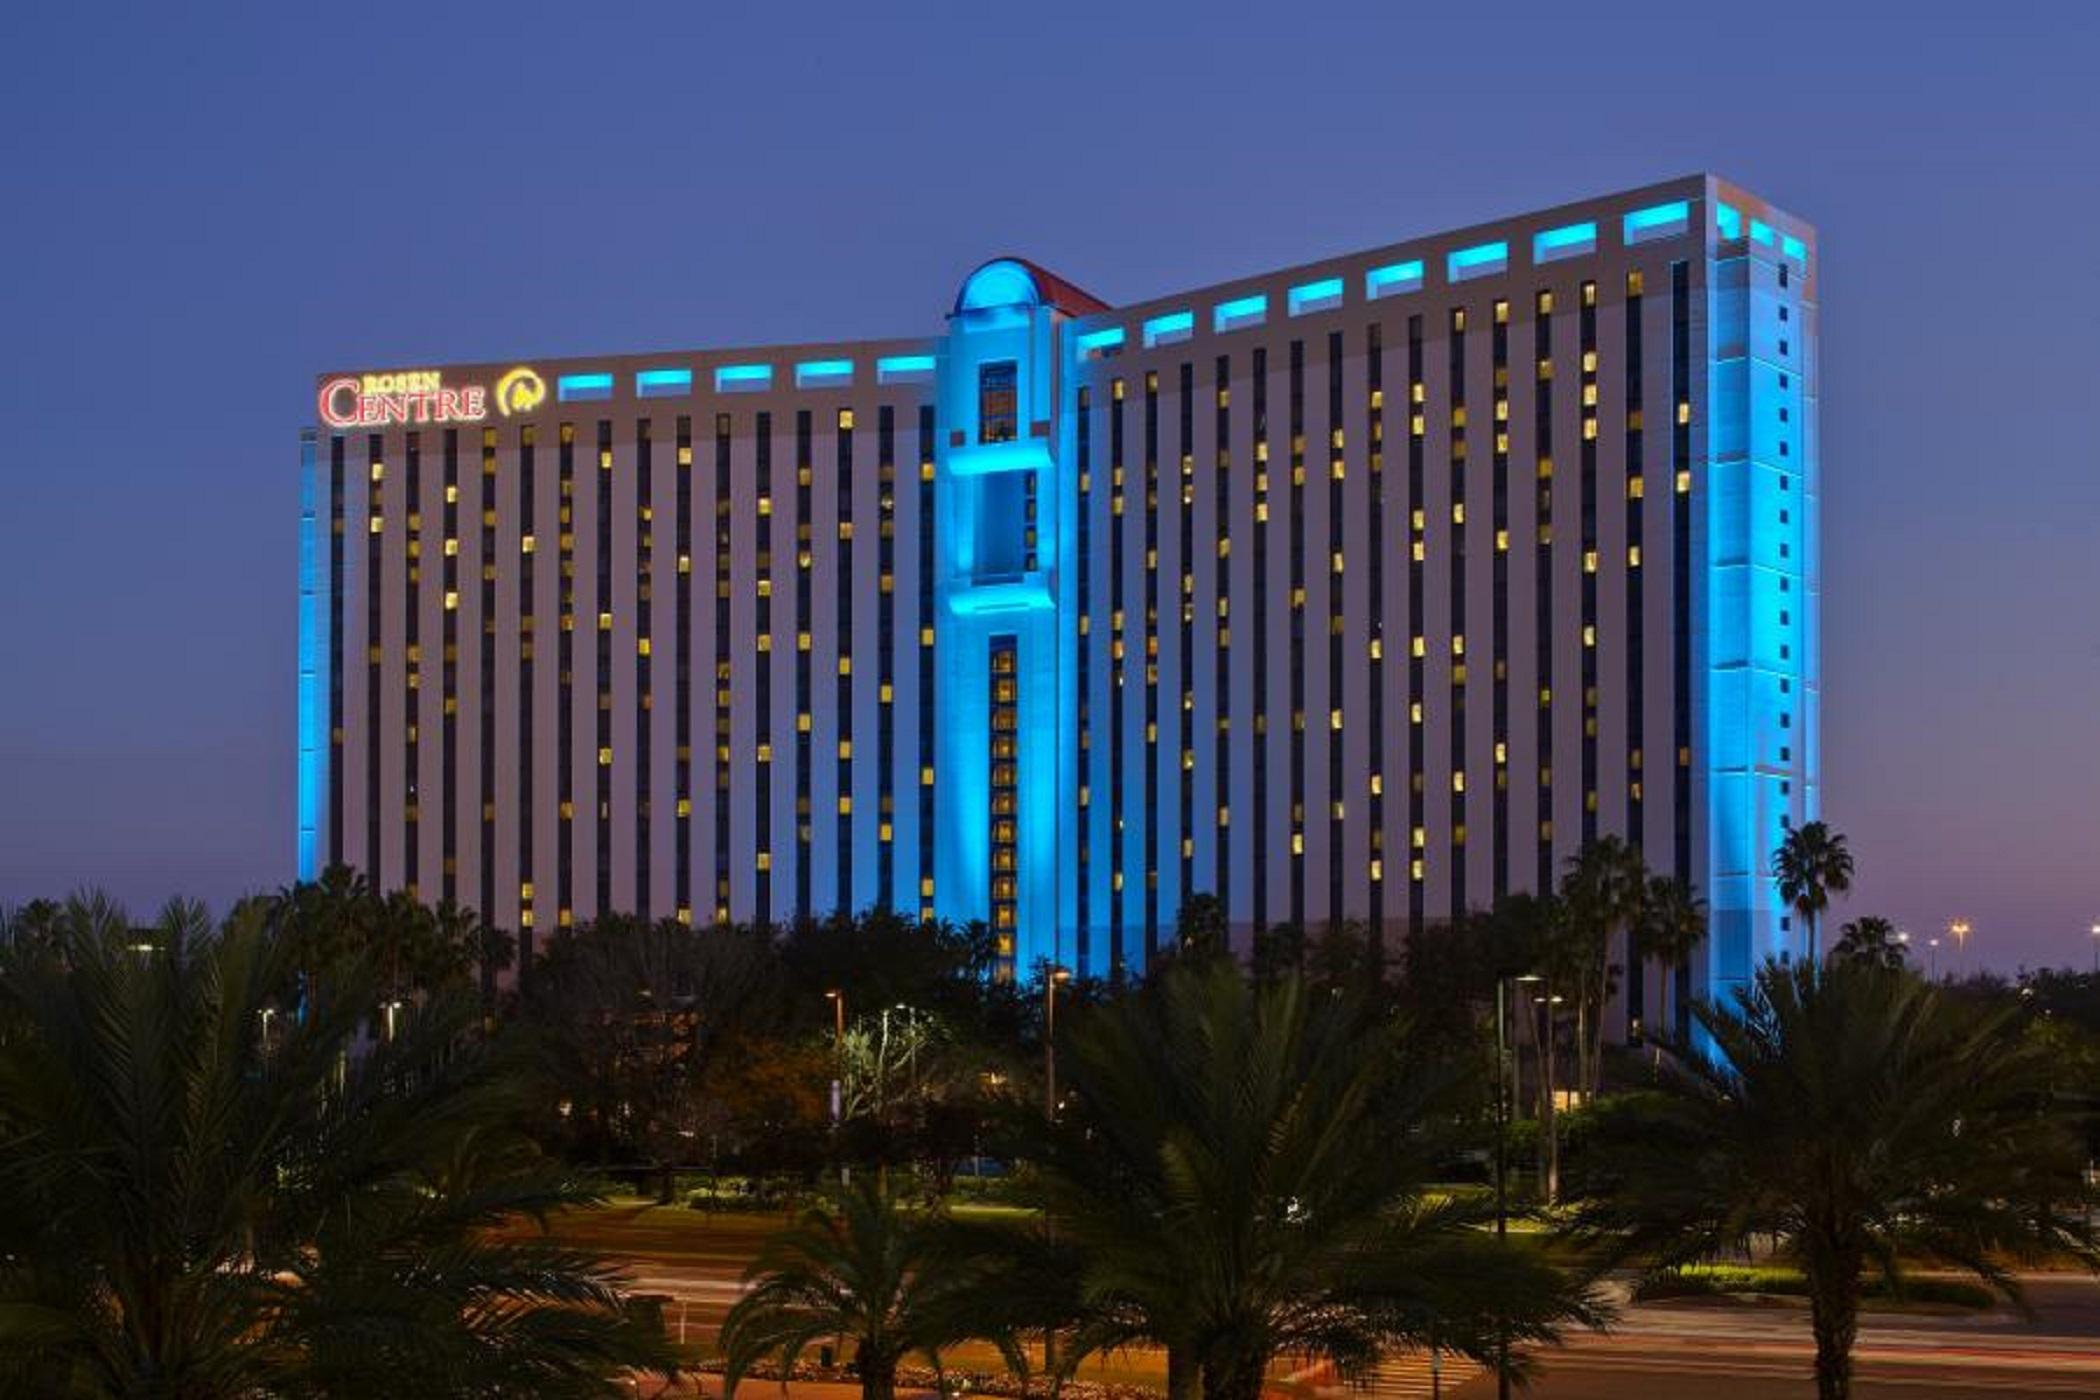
point(2095, 930)
point(1959, 928)
point(838, 1056)
point(1053, 977)
point(1933, 947)
point(1504, 1067)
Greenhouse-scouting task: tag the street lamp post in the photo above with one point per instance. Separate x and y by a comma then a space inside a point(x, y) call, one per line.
point(838, 1056)
point(1960, 929)
point(1503, 1094)
point(1052, 977)
point(2096, 949)
point(1932, 946)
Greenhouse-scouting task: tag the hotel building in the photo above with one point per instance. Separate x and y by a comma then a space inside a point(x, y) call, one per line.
point(1370, 588)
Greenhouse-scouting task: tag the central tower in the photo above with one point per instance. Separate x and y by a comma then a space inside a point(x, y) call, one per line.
point(1002, 774)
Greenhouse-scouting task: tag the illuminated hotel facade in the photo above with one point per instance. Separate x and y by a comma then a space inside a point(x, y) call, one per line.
point(1367, 589)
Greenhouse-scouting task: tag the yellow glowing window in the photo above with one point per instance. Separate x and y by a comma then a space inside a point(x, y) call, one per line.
point(1684, 410)
point(604, 758)
point(1684, 483)
point(1633, 556)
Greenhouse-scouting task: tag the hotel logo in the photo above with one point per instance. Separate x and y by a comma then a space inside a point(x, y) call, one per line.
point(520, 391)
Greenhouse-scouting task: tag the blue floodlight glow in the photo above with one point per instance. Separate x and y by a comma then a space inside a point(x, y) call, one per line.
point(1657, 221)
point(1315, 296)
point(1567, 241)
point(1165, 330)
point(732, 379)
point(1240, 313)
point(572, 388)
point(903, 369)
point(1761, 232)
point(1105, 339)
point(663, 383)
point(1001, 283)
point(1393, 278)
point(1477, 261)
point(1729, 220)
point(818, 373)
point(313, 673)
point(1795, 248)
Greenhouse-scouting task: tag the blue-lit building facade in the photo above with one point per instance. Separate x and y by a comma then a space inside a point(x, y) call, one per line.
point(1368, 589)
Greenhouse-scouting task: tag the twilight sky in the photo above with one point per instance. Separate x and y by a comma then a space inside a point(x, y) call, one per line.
point(205, 205)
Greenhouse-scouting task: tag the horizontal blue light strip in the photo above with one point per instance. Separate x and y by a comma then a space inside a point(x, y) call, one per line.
point(1657, 221)
point(1172, 326)
point(663, 383)
point(1729, 220)
point(1244, 311)
point(571, 387)
point(1107, 338)
point(1393, 277)
point(743, 377)
point(823, 372)
point(1564, 242)
point(896, 367)
point(1315, 296)
point(1795, 248)
point(1477, 260)
point(1760, 232)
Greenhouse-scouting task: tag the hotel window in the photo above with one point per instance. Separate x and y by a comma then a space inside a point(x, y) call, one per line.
point(528, 438)
point(1587, 330)
point(1083, 427)
point(1545, 624)
point(1221, 675)
point(411, 699)
point(1296, 666)
point(1118, 954)
point(1499, 618)
point(682, 692)
point(1417, 507)
point(925, 707)
point(565, 710)
point(804, 589)
point(844, 896)
point(998, 402)
point(602, 674)
point(886, 653)
point(1005, 786)
point(722, 672)
point(1150, 845)
point(762, 697)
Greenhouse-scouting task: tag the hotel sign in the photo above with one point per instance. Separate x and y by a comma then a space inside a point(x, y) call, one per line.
point(423, 396)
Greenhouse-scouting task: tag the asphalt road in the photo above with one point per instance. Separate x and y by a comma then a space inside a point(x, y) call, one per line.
point(1654, 1352)
point(1738, 1353)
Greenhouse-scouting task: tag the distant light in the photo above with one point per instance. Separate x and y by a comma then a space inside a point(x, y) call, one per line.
point(1172, 327)
point(1101, 341)
point(1567, 241)
point(1240, 313)
point(1477, 261)
point(818, 373)
point(572, 388)
point(663, 383)
point(1315, 296)
point(1656, 221)
point(903, 369)
point(742, 378)
point(1393, 278)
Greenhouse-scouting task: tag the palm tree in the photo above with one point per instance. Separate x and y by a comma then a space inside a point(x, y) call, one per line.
point(1244, 1173)
point(860, 1266)
point(1862, 1121)
point(1811, 865)
point(206, 1197)
point(1673, 925)
point(1602, 895)
point(1872, 940)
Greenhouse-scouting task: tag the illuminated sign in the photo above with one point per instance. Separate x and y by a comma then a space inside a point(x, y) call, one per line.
point(423, 396)
point(520, 391)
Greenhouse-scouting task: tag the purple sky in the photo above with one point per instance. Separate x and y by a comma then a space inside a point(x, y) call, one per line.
point(207, 205)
